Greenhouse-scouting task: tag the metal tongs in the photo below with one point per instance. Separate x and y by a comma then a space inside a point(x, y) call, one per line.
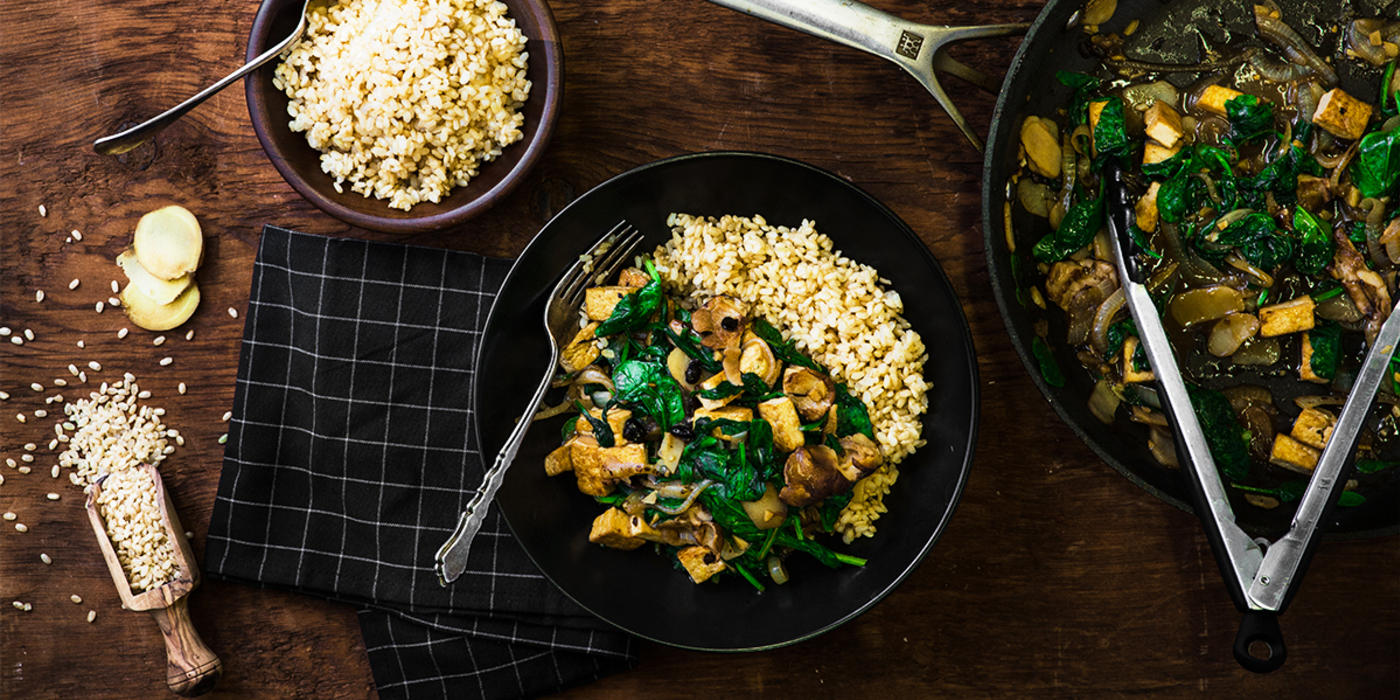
point(1262, 577)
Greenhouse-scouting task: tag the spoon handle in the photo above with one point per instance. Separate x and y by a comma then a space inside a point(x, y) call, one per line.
point(124, 141)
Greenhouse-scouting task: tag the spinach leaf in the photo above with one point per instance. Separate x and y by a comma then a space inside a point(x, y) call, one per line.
point(1084, 87)
point(1119, 332)
point(1248, 117)
point(1326, 341)
point(851, 414)
point(1280, 177)
point(1187, 191)
point(830, 509)
point(569, 427)
point(1110, 135)
point(691, 350)
point(1169, 168)
point(650, 386)
point(1227, 439)
point(1049, 369)
point(635, 309)
point(723, 390)
point(1081, 223)
point(1258, 239)
point(784, 350)
point(602, 431)
point(1316, 250)
point(1390, 92)
point(1373, 466)
point(1376, 169)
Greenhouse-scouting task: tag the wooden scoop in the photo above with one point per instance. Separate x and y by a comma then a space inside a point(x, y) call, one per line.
point(192, 669)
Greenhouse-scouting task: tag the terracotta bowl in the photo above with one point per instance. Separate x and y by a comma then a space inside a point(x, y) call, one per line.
point(300, 165)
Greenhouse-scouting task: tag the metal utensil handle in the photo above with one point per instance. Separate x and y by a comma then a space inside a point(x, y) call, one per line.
point(451, 558)
point(124, 141)
point(1241, 556)
point(882, 34)
point(1286, 558)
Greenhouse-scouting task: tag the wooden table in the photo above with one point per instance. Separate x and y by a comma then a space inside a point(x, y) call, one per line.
point(1057, 578)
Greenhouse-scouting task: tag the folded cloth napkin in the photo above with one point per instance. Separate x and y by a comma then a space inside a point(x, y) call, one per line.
point(352, 451)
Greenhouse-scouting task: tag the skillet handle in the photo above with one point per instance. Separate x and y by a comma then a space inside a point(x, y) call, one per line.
point(1260, 626)
point(920, 49)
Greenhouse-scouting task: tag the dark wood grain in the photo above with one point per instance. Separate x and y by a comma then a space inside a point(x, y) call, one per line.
point(1057, 578)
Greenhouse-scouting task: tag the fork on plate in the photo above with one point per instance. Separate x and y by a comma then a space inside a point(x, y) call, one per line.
point(561, 316)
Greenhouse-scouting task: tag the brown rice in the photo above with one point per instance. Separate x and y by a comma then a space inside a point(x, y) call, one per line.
point(837, 312)
point(405, 99)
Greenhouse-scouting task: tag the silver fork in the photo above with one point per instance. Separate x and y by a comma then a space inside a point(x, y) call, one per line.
point(561, 316)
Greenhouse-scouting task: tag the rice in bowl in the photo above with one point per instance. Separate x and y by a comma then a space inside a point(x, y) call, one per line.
point(406, 99)
point(835, 309)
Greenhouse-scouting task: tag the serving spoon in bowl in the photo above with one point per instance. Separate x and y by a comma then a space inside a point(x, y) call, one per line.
point(127, 140)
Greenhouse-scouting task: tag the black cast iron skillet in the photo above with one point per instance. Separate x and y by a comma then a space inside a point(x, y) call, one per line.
point(1170, 31)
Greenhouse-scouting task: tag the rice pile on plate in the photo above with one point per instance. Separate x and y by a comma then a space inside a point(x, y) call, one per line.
point(833, 307)
point(406, 99)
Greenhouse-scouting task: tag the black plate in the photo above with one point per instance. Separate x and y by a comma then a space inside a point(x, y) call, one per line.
point(1167, 33)
point(639, 591)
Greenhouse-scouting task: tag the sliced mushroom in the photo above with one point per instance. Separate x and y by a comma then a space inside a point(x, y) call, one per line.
point(812, 473)
point(862, 452)
point(811, 392)
point(720, 322)
point(757, 358)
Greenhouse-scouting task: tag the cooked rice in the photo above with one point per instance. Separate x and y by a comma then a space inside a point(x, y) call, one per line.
point(405, 99)
point(833, 307)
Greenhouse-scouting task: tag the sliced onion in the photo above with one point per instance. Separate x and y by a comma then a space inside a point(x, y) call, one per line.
point(1104, 318)
point(593, 375)
point(1082, 314)
point(1194, 270)
point(1238, 262)
point(697, 489)
point(1275, 30)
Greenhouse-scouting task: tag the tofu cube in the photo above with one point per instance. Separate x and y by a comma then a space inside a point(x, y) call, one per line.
point(599, 469)
point(1313, 192)
point(1214, 97)
point(1313, 427)
point(736, 413)
point(582, 350)
point(619, 530)
point(1342, 115)
point(1153, 152)
point(782, 415)
point(559, 461)
point(711, 383)
point(1146, 208)
point(1293, 455)
point(1305, 370)
point(700, 563)
point(1163, 124)
point(633, 277)
point(598, 302)
point(617, 417)
point(1286, 317)
point(1133, 374)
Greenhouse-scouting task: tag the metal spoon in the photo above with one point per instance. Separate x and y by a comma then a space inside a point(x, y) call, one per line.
point(120, 143)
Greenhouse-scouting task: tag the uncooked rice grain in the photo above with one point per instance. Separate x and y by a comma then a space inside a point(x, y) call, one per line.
point(127, 502)
point(835, 309)
point(406, 100)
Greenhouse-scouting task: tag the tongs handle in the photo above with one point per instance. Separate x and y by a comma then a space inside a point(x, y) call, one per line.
point(920, 49)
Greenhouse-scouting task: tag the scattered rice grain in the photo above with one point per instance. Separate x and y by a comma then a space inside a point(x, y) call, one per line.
point(21, 527)
point(74, 284)
point(45, 558)
point(165, 361)
point(39, 295)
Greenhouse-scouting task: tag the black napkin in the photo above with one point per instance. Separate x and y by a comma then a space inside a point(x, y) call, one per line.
point(351, 453)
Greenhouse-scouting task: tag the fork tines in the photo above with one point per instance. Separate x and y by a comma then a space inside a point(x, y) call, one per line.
point(620, 242)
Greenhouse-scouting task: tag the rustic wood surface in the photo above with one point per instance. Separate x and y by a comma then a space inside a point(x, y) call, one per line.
point(1057, 578)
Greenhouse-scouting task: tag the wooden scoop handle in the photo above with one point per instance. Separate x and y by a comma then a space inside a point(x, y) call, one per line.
point(192, 669)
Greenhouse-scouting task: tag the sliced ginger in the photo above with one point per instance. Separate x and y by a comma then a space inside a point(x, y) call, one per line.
point(160, 291)
point(168, 242)
point(165, 251)
point(153, 316)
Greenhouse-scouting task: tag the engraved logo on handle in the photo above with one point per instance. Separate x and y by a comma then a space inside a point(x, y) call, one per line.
point(909, 44)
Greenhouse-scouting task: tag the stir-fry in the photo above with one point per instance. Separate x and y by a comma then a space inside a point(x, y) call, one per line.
point(705, 433)
point(1268, 197)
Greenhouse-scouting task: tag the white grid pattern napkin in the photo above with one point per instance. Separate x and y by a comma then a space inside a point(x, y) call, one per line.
point(352, 451)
